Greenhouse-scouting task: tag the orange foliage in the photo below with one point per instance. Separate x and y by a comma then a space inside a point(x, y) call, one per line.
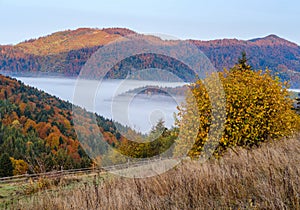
point(29, 123)
point(43, 129)
point(53, 139)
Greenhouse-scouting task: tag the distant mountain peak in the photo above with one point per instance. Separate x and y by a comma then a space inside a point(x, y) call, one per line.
point(67, 40)
point(269, 37)
point(272, 36)
point(119, 31)
point(64, 41)
point(272, 39)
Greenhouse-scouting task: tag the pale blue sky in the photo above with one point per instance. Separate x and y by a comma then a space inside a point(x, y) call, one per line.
point(204, 20)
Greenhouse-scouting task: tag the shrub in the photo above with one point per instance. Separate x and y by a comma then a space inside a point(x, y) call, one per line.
point(258, 108)
point(19, 166)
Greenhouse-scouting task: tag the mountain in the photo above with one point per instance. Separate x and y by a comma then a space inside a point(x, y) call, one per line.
point(273, 52)
point(64, 53)
point(66, 41)
point(38, 129)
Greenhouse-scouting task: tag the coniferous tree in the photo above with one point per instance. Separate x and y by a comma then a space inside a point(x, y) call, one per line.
point(6, 167)
point(298, 104)
point(243, 62)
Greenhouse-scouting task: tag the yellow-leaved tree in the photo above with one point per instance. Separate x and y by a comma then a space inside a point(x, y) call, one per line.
point(19, 166)
point(258, 108)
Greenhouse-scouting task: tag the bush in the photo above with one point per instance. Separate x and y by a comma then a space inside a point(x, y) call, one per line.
point(258, 108)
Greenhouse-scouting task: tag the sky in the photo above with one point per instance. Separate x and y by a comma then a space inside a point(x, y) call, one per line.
point(184, 19)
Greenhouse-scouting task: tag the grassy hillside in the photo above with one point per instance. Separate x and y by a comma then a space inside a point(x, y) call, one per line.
point(263, 178)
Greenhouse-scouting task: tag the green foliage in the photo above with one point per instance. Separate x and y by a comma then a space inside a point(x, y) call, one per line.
point(6, 166)
point(157, 143)
point(242, 64)
point(258, 108)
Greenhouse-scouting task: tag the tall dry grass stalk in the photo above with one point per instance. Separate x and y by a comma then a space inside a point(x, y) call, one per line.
point(263, 178)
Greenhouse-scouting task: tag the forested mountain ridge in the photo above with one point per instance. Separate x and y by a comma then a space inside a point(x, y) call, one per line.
point(37, 129)
point(282, 57)
point(64, 53)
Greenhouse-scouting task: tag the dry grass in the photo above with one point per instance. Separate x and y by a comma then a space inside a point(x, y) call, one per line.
point(264, 178)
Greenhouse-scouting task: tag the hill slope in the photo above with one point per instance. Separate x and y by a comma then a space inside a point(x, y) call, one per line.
point(64, 53)
point(262, 178)
point(38, 128)
point(66, 40)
